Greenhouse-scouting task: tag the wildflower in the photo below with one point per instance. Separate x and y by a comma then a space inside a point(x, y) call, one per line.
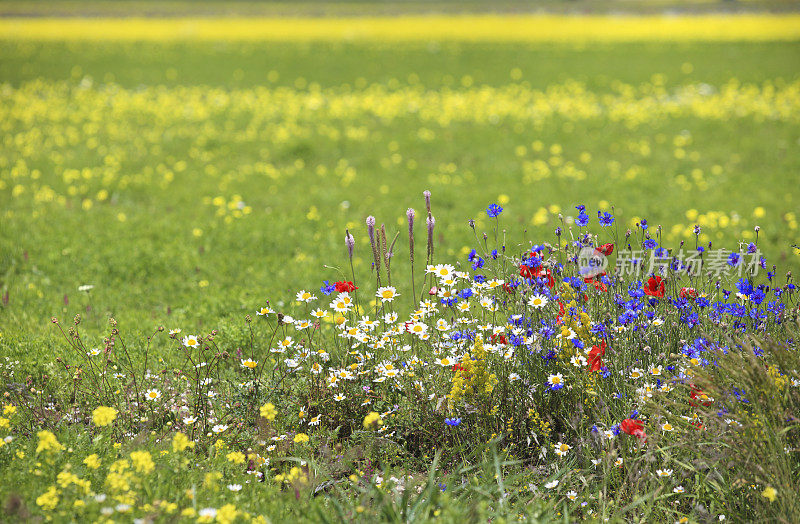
point(372, 420)
point(770, 493)
point(387, 293)
point(234, 487)
point(663, 472)
point(237, 457)
point(300, 438)
point(142, 461)
point(249, 363)
point(452, 421)
point(655, 287)
point(678, 489)
point(445, 362)
point(666, 426)
point(189, 420)
point(180, 442)
point(219, 428)
point(572, 495)
point(191, 341)
point(494, 210)
point(103, 416)
point(305, 296)
point(605, 218)
point(48, 442)
point(552, 484)
point(339, 397)
point(594, 361)
point(562, 449)
point(633, 427)
point(537, 301)
point(268, 411)
point(208, 513)
point(49, 499)
point(92, 461)
point(152, 394)
point(555, 381)
point(345, 287)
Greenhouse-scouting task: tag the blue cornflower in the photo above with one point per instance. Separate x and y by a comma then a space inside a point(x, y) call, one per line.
point(494, 210)
point(452, 421)
point(606, 218)
point(582, 220)
point(472, 255)
point(650, 244)
point(643, 224)
point(465, 293)
point(494, 254)
point(751, 247)
point(478, 263)
point(733, 259)
point(327, 288)
point(744, 286)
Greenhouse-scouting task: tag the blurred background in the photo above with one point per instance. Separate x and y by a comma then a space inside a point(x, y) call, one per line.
point(183, 162)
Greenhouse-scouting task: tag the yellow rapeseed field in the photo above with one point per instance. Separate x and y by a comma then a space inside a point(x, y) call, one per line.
point(519, 28)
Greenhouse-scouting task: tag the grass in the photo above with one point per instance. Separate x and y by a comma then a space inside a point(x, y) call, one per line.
point(147, 269)
point(188, 182)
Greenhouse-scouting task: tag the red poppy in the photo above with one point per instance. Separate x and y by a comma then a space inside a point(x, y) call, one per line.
point(345, 287)
point(539, 272)
point(561, 310)
point(498, 339)
point(458, 367)
point(688, 292)
point(606, 249)
point(697, 393)
point(595, 356)
point(508, 289)
point(655, 287)
point(634, 427)
point(599, 286)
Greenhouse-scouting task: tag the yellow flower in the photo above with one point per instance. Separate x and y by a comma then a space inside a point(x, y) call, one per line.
point(372, 420)
point(48, 442)
point(770, 493)
point(48, 500)
point(210, 479)
point(268, 411)
point(4, 423)
point(9, 409)
point(301, 437)
point(237, 457)
point(92, 461)
point(103, 416)
point(142, 461)
point(180, 442)
point(227, 514)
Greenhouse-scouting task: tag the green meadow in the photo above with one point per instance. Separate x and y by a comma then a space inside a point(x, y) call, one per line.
point(146, 189)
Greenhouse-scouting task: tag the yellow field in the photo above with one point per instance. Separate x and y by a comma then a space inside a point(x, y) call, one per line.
point(511, 28)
